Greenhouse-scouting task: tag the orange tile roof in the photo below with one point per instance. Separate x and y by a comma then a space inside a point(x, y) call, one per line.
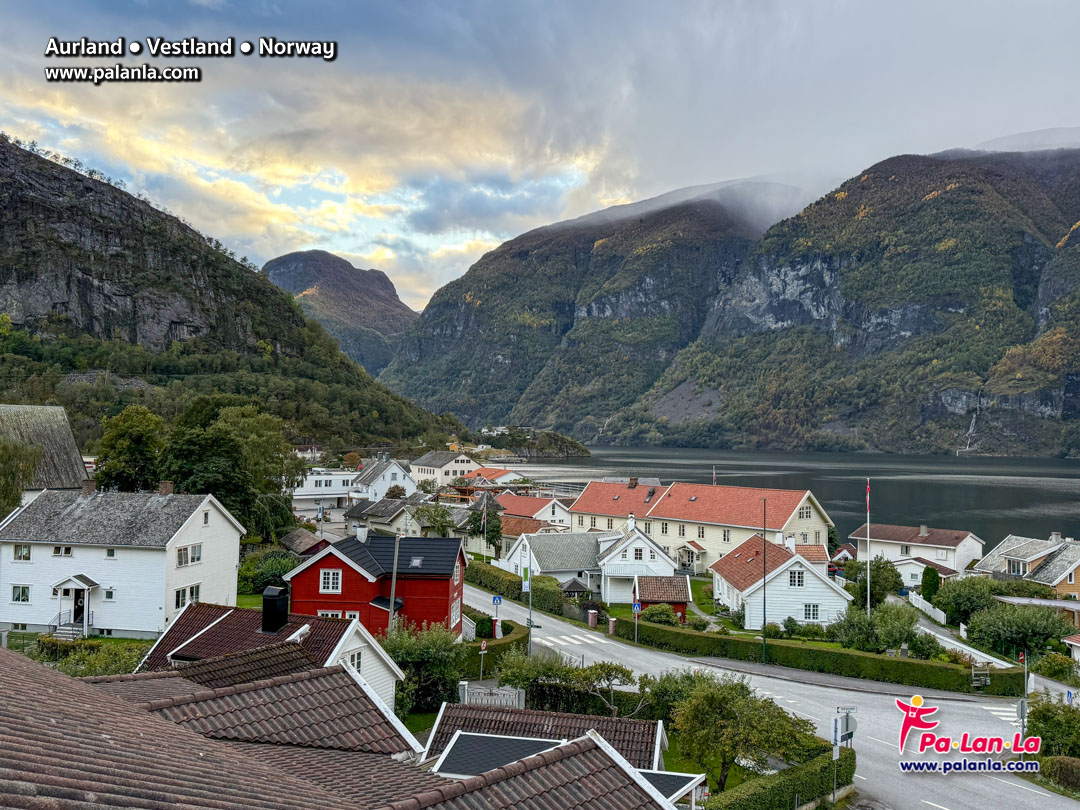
point(514, 526)
point(742, 567)
point(812, 552)
point(727, 505)
point(617, 500)
point(522, 505)
point(662, 589)
point(487, 473)
point(1072, 639)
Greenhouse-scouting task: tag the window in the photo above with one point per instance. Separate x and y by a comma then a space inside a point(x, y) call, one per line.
point(652, 554)
point(110, 595)
point(18, 626)
point(553, 509)
point(355, 656)
point(188, 555)
point(592, 523)
point(318, 483)
point(516, 570)
point(817, 536)
point(682, 530)
point(580, 520)
point(110, 554)
point(205, 518)
point(905, 551)
point(913, 576)
point(330, 614)
point(700, 532)
point(56, 592)
point(457, 572)
point(1017, 568)
point(623, 555)
point(181, 597)
point(804, 537)
point(193, 593)
point(20, 593)
point(103, 631)
point(727, 535)
point(352, 614)
point(663, 528)
point(610, 524)
point(21, 552)
point(455, 612)
point(330, 581)
point(795, 579)
point(639, 554)
point(810, 613)
point(393, 476)
point(805, 512)
point(648, 528)
point(1072, 574)
point(61, 551)
point(943, 554)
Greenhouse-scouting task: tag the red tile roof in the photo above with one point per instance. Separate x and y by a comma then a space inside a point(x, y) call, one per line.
point(910, 534)
point(523, 505)
point(1072, 639)
point(742, 566)
point(578, 774)
point(729, 506)
point(241, 629)
point(663, 589)
point(321, 708)
point(487, 473)
point(848, 547)
point(944, 570)
point(634, 739)
point(514, 526)
point(696, 546)
point(812, 552)
point(66, 743)
point(617, 500)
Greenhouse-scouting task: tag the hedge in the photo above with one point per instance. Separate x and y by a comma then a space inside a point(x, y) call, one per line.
point(1064, 771)
point(851, 663)
point(557, 697)
point(811, 780)
point(494, 579)
point(496, 649)
point(56, 649)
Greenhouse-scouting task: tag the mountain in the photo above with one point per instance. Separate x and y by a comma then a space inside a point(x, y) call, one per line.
point(360, 308)
point(565, 325)
point(1055, 138)
point(107, 300)
point(928, 304)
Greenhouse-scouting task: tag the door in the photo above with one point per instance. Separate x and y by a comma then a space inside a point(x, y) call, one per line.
point(79, 605)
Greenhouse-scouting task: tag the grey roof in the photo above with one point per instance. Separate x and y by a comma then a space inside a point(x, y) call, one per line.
point(1058, 564)
point(1032, 549)
point(46, 427)
point(1071, 605)
point(102, 519)
point(994, 560)
point(574, 585)
point(301, 541)
point(486, 503)
point(436, 458)
point(373, 468)
point(386, 508)
point(671, 784)
point(565, 551)
point(471, 754)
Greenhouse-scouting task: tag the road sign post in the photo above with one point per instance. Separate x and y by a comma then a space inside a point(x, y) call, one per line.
point(637, 610)
point(483, 652)
point(496, 601)
point(1021, 715)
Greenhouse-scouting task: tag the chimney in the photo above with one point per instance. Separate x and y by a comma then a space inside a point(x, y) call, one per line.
point(923, 530)
point(630, 522)
point(633, 482)
point(1056, 536)
point(789, 541)
point(275, 612)
point(165, 488)
point(89, 487)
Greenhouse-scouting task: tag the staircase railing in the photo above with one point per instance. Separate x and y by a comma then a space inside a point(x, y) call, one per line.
point(63, 617)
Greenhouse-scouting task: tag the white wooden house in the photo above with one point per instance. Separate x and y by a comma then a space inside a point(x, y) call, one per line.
point(953, 548)
point(114, 563)
point(377, 476)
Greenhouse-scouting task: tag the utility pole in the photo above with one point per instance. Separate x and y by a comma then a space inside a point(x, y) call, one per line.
point(393, 576)
point(868, 548)
point(764, 573)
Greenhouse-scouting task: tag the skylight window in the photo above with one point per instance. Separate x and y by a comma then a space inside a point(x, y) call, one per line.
point(693, 497)
point(416, 562)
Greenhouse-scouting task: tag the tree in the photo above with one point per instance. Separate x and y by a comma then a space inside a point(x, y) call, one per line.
point(210, 461)
point(18, 465)
point(519, 669)
point(931, 582)
point(884, 580)
point(352, 460)
point(396, 492)
point(1011, 628)
point(433, 662)
point(437, 518)
point(1057, 723)
point(962, 598)
point(895, 625)
point(723, 720)
point(491, 529)
point(268, 456)
point(854, 630)
point(131, 445)
point(601, 679)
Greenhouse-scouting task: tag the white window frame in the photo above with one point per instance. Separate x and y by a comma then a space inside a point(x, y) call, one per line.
point(652, 554)
point(108, 595)
point(15, 552)
point(639, 554)
point(905, 551)
point(455, 612)
point(580, 520)
point(700, 532)
point(811, 612)
point(61, 551)
point(329, 614)
point(682, 530)
point(355, 657)
point(622, 556)
point(352, 614)
point(592, 522)
point(20, 588)
point(1072, 577)
point(110, 554)
point(610, 524)
point(805, 512)
point(727, 535)
point(943, 554)
point(457, 572)
point(327, 583)
point(663, 527)
point(796, 578)
point(648, 527)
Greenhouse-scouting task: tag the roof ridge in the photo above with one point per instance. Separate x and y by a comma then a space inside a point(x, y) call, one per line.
point(237, 689)
point(453, 707)
point(131, 676)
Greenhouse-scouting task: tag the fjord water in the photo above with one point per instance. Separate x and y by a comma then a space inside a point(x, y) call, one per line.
point(992, 497)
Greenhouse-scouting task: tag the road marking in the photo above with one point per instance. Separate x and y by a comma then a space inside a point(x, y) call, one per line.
point(559, 640)
point(804, 714)
point(590, 639)
point(875, 739)
point(938, 806)
point(860, 777)
point(1006, 782)
point(543, 641)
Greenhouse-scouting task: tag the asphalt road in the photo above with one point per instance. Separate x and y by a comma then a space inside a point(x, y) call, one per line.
point(876, 739)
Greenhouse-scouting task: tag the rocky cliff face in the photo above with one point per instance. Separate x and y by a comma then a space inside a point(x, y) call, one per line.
point(360, 308)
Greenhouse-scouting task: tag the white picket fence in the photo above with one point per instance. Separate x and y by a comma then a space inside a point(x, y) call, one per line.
point(926, 607)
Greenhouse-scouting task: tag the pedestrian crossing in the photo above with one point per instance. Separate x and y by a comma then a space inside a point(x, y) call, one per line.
point(1006, 712)
point(571, 640)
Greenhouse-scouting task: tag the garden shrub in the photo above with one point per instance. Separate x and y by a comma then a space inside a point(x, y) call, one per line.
point(485, 627)
point(1059, 667)
point(1057, 723)
point(433, 662)
point(115, 658)
point(738, 617)
point(1064, 771)
point(56, 649)
point(546, 594)
point(773, 630)
point(514, 635)
point(808, 781)
point(791, 627)
point(264, 568)
point(697, 623)
point(1011, 628)
point(660, 614)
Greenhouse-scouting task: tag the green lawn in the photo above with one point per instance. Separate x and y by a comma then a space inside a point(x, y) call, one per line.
point(697, 590)
point(249, 600)
point(675, 761)
point(419, 721)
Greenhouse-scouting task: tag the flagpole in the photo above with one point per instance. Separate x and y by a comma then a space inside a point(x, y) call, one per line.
point(868, 548)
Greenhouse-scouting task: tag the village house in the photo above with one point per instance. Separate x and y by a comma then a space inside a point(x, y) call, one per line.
point(1073, 643)
point(376, 475)
point(911, 570)
point(698, 523)
point(492, 475)
point(353, 579)
point(674, 591)
point(323, 488)
point(844, 552)
point(442, 466)
point(550, 510)
point(45, 427)
point(954, 549)
point(202, 631)
point(1054, 562)
point(791, 585)
point(114, 563)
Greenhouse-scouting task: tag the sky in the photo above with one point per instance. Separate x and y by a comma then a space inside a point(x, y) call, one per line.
point(444, 128)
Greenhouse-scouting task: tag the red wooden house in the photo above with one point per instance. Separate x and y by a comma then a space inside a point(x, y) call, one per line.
point(674, 591)
point(351, 579)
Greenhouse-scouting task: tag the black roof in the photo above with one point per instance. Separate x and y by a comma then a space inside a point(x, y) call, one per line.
point(416, 555)
point(673, 785)
point(473, 754)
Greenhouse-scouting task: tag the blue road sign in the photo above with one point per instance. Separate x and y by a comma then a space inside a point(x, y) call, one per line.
point(496, 600)
point(637, 607)
point(1069, 696)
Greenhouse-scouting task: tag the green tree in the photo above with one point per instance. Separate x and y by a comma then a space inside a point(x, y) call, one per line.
point(396, 492)
point(268, 456)
point(854, 630)
point(1012, 628)
point(491, 529)
point(601, 679)
point(519, 669)
point(210, 461)
point(131, 445)
point(931, 583)
point(433, 662)
point(895, 625)
point(884, 580)
point(723, 721)
point(18, 465)
point(1057, 723)
point(437, 519)
point(962, 598)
